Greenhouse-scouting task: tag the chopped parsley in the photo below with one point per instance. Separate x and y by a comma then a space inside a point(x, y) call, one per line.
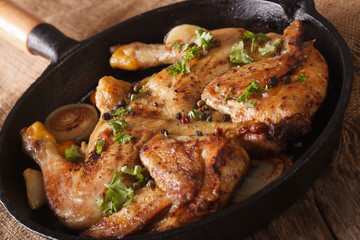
point(301, 77)
point(227, 95)
point(239, 55)
point(193, 114)
point(204, 39)
point(176, 44)
point(142, 89)
point(251, 104)
point(178, 68)
point(250, 35)
point(117, 125)
point(137, 172)
point(72, 154)
point(116, 197)
point(251, 89)
point(269, 47)
point(192, 52)
point(133, 97)
point(121, 111)
point(99, 146)
point(122, 138)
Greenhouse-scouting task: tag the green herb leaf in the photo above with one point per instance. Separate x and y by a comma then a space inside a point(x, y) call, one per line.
point(227, 95)
point(117, 125)
point(192, 52)
point(250, 35)
point(238, 54)
point(251, 89)
point(185, 46)
point(251, 104)
point(122, 138)
point(204, 39)
point(121, 111)
point(193, 114)
point(142, 89)
point(149, 78)
point(72, 154)
point(178, 68)
point(301, 77)
point(137, 172)
point(133, 97)
point(176, 44)
point(116, 197)
point(99, 146)
point(269, 47)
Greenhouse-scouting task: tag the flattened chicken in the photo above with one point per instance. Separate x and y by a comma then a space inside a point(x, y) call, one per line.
point(196, 175)
point(197, 162)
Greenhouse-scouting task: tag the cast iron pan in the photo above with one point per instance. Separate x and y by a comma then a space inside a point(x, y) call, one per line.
point(76, 68)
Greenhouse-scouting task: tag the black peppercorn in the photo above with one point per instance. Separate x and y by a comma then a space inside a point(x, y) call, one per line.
point(198, 133)
point(226, 117)
point(165, 132)
point(122, 103)
point(106, 116)
point(136, 87)
point(209, 119)
point(202, 116)
point(178, 116)
point(273, 82)
point(287, 79)
point(150, 184)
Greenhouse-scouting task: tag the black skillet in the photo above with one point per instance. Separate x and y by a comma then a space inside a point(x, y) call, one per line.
point(77, 66)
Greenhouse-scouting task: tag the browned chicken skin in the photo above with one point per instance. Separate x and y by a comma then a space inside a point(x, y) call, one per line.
point(194, 175)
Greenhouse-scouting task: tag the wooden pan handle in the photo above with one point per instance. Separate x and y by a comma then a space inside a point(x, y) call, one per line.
point(16, 24)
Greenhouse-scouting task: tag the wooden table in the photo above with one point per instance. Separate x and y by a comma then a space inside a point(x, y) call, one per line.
point(329, 210)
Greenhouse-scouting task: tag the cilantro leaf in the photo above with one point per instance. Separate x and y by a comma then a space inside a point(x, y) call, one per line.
point(99, 146)
point(117, 125)
point(122, 138)
point(178, 68)
point(226, 96)
point(238, 54)
point(269, 47)
point(72, 154)
point(137, 172)
point(301, 77)
point(204, 39)
point(193, 114)
point(116, 196)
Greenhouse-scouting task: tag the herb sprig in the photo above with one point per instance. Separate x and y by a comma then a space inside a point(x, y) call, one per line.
point(203, 41)
point(253, 88)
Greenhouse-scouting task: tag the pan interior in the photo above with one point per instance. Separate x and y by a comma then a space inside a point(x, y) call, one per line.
point(72, 78)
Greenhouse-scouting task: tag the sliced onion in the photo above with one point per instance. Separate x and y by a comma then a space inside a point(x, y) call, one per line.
point(264, 171)
point(73, 122)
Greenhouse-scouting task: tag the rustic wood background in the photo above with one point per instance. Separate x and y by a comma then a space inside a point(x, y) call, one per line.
point(329, 210)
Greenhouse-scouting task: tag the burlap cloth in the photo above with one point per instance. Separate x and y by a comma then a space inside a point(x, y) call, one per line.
point(83, 18)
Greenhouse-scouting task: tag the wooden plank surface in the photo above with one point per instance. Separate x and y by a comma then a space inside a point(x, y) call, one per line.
point(329, 210)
